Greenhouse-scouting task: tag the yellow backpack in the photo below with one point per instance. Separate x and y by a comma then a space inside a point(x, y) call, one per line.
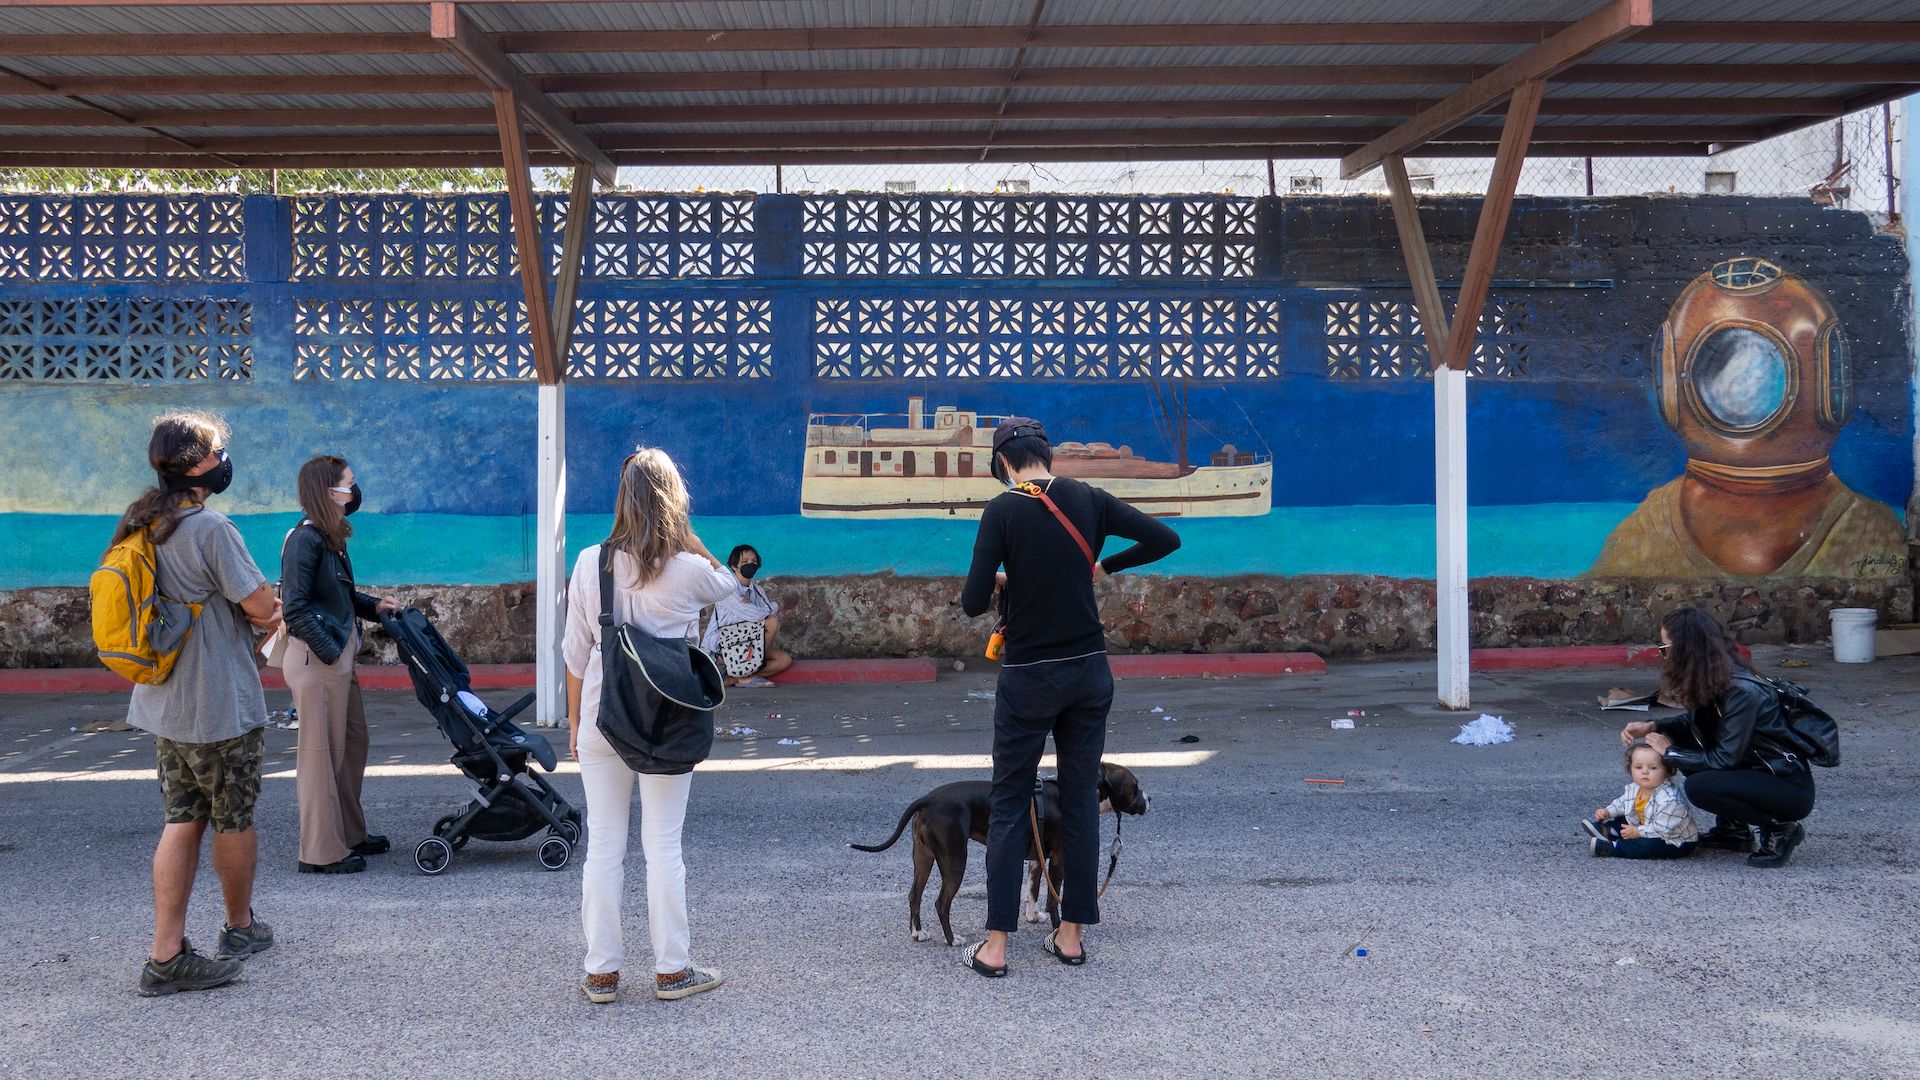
point(137, 632)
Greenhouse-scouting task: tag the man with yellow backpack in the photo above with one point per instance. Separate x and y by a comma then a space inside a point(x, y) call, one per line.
point(172, 606)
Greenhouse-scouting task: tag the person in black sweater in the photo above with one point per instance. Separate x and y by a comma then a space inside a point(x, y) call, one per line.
point(1053, 676)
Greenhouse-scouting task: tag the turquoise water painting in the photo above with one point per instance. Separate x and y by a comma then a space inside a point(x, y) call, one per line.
point(1546, 540)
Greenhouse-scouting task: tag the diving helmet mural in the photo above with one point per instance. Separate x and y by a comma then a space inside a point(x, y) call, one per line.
point(1751, 370)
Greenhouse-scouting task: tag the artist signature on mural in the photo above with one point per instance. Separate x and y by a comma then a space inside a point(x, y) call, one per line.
point(1878, 566)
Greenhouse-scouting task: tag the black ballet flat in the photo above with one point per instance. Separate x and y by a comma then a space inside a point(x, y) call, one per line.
point(373, 845)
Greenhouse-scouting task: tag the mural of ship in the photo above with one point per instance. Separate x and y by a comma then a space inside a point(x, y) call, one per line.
point(889, 465)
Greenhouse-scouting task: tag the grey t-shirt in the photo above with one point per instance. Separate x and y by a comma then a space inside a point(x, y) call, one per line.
point(214, 692)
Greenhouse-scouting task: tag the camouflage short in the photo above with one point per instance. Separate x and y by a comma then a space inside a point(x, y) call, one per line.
point(216, 782)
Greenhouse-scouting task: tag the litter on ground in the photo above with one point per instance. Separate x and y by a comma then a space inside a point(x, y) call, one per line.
point(1485, 732)
point(789, 742)
point(980, 695)
point(738, 731)
point(1158, 710)
point(1617, 698)
point(1796, 663)
point(1343, 724)
point(1314, 780)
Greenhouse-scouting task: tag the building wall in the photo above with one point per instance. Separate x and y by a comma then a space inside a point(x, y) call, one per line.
point(385, 329)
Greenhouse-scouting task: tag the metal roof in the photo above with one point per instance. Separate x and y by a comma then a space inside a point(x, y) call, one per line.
point(351, 83)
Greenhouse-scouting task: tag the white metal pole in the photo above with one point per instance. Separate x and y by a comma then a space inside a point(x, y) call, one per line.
point(550, 558)
point(1450, 525)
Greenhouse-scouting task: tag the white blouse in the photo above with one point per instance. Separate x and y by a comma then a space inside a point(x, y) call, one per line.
point(669, 606)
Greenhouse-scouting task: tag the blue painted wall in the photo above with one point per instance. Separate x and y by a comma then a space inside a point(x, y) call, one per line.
point(1565, 436)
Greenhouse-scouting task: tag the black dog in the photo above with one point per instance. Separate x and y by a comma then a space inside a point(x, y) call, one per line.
point(945, 818)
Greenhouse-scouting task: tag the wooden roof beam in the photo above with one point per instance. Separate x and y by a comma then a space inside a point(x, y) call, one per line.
point(1778, 109)
point(1617, 20)
point(861, 38)
point(1007, 155)
point(492, 67)
point(1847, 75)
point(1483, 137)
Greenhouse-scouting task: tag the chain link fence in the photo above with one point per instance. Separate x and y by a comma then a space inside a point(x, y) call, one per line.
point(1851, 163)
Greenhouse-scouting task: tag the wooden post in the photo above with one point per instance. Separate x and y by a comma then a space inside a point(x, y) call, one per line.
point(551, 328)
point(1491, 230)
point(1450, 351)
point(1451, 638)
point(1413, 246)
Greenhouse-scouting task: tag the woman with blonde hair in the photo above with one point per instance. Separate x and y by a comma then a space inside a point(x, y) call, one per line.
point(323, 610)
point(663, 577)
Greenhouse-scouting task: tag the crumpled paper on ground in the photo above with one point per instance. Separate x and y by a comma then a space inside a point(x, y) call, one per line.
point(1485, 732)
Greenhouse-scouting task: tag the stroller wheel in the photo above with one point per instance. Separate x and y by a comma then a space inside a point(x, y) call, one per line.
point(570, 829)
point(555, 853)
point(445, 826)
point(433, 856)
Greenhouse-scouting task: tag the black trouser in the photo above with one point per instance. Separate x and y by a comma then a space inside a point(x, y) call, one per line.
point(1752, 796)
point(1070, 699)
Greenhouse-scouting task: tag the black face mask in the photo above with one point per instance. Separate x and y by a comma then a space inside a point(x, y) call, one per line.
point(748, 569)
point(214, 480)
point(353, 502)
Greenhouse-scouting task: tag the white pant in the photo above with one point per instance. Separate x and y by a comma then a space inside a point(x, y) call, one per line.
point(663, 809)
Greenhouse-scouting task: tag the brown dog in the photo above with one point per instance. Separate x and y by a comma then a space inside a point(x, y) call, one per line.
point(945, 818)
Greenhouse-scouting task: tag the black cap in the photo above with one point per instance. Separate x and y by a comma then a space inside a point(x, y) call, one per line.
point(1013, 427)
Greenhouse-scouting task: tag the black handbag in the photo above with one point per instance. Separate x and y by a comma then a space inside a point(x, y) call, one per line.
point(1813, 728)
point(657, 695)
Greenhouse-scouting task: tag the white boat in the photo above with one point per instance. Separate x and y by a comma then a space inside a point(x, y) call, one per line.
point(892, 465)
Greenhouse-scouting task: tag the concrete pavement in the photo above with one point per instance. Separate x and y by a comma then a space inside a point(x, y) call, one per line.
point(1495, 946)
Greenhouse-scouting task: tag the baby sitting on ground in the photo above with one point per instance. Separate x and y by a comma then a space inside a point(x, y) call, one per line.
point(1650, 820)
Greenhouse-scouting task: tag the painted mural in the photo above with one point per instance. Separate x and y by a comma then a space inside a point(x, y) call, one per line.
point(870, 467)
point(827, 370)
point(1752, 371)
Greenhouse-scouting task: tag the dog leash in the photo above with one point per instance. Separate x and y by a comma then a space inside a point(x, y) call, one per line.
point(1113, 851)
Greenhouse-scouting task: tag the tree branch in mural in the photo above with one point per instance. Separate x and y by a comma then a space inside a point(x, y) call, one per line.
point(914, 465)
point(1752, 371)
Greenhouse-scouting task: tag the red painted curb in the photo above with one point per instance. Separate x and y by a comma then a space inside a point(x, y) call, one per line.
point(1573, 656)
point(1222, 665)
point(483, 676)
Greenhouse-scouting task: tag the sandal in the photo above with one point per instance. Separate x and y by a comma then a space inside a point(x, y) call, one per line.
point(758, 680)
point(1052, 948)
point(972, 957)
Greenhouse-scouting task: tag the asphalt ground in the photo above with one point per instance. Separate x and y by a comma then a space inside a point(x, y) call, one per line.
point(1495, 947)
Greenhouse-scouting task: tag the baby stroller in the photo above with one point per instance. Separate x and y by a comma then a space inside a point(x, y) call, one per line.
point(512, 802)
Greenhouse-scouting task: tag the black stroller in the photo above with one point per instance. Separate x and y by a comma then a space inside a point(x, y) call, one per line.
point(490, 749)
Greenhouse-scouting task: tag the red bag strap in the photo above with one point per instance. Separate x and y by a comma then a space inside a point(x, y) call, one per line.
point(1033, 490)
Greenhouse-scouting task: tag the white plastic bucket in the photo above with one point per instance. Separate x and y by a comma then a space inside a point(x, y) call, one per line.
point(1853, 634)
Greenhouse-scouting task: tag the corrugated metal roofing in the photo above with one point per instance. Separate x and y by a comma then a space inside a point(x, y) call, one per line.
point(1171, 88)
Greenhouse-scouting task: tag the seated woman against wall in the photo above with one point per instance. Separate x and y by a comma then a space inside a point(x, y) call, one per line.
point(741, 633)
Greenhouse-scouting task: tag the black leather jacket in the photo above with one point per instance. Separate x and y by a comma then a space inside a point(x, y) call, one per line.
point(1743, 730)
point(317, 597)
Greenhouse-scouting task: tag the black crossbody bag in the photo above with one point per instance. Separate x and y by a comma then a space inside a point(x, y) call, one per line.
point(657, 695)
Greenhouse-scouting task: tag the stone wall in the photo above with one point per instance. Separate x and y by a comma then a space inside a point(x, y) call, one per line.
point(1334, 616)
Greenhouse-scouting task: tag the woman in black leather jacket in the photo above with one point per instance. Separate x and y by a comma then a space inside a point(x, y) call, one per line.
point(322, 609)
point(1742, 760)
